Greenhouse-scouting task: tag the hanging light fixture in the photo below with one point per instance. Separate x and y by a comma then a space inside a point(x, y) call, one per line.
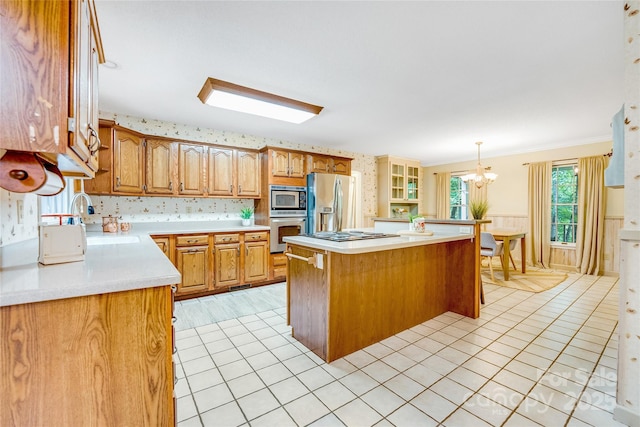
point(480, 177)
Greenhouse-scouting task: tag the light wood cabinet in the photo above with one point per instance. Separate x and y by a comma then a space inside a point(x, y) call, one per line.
point(222, 173)
point(128, 162)
point(287, 164)
point(101, 359)
point(398, 186)
point(227, 260)
point(191, 169)
point(329, 164)
point(164, 243)
point(102, 182)
point(160, 167)
point(49, 55)
point(193, 262)
point(256, 261)
point(278, 267)
point(234, 172)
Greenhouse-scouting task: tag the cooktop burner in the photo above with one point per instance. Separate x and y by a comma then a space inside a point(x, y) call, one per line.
point(347, 236)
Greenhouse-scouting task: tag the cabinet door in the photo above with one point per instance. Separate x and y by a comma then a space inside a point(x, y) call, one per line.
point(341, 166)
point(94, 119)
point(191, 169)
point(193, 264)
point(248, 164)
point(160, 171)
point(34, 59)
point(319, 164)
point(280, 163)
point(81, 84)
point(101, 184)
point(227, 268)
point(413, 179)
point(163, 244)
point(128, 159)
point(296, 165)
point(256, 262)
point(398, 183)
point(221, 172)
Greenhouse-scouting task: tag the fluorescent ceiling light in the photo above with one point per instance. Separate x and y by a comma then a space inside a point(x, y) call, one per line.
point(230, 96)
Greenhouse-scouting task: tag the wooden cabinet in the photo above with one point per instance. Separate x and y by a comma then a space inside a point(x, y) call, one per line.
point(103, 181)
point(191, 169)
point(287, 164)
point(49, 55)
point(227, 260)
point(248, 173)
point(128, 162)
point(233, 172)
point(398, 186)
point(160, 167)
point(193, 262)
point(164, 243)
point(256, 260)
point(278, 267)
point(329, 164)
point(101, 359)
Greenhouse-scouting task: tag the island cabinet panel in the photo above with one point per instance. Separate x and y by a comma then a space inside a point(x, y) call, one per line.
point(359, 299)
point(308, 304)
point(98, 360)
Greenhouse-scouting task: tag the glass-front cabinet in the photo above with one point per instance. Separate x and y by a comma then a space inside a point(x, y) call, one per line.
point(398, 187)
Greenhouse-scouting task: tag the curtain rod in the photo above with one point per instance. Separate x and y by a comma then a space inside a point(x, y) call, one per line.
point(609, 154)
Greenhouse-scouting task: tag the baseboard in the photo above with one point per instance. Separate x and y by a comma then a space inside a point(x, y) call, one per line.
point(625, 416)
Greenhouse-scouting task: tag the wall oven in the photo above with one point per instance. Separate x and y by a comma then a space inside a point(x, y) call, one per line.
point(287, 201)
point(283, 227)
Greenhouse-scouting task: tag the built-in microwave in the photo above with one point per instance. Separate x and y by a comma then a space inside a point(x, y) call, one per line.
point(287, 201)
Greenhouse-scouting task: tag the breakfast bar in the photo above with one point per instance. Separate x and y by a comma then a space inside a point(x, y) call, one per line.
point(344, 296)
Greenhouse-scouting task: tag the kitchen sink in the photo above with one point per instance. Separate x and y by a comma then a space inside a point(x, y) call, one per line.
point(111, 240)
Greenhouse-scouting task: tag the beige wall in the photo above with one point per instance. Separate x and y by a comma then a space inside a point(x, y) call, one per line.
point(507, 196)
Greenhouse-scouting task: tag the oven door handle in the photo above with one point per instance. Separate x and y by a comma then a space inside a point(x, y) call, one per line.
point(293, 221)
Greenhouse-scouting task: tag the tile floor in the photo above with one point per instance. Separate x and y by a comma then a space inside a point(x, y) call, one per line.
point(546, 359)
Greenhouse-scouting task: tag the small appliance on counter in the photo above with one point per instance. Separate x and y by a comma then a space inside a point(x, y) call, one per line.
point(62, 243)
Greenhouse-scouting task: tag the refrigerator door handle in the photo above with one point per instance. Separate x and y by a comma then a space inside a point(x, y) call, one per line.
point(337, 204)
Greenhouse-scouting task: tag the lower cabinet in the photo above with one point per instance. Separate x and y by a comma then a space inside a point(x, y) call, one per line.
point(214, 262)
point(278, 268)
point(102, 359)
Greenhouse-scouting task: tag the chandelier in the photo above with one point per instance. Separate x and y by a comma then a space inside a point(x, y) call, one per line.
point(480, 176)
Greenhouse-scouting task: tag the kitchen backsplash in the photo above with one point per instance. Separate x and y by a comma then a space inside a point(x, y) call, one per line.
point(12, 228)
point(158, 209)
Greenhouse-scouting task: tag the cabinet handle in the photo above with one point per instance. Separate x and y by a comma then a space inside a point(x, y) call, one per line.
point(117, 181)
point(246, 251)
point(238, 250)
point(191, 241)
point(95, 146)
point(181, 187)
point(170, 185)
point(239, 188)
point(231, 189)
point(226, 239)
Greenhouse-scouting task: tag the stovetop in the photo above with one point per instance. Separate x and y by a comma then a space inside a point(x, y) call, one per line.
point(347, 236)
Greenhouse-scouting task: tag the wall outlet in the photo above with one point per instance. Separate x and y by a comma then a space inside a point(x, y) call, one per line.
point(188, 208)
point(465, 230)
point(20, 209)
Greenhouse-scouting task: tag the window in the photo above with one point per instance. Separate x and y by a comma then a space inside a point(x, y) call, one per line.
point(458, 198)
point(564, 203)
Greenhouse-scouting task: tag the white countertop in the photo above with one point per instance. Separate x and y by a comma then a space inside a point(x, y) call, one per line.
point(374, 245)
point(106, 268)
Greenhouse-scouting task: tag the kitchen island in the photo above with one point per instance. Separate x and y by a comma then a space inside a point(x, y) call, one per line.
point(344, 296)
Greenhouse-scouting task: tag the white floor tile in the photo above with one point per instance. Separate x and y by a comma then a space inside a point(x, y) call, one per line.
point(357, 413)
point(204, 379)
point(383, 400)
point(334, 395)
point(404, 387)
point(245, 385)
point(288, 390)
point(409, 415)
point(257, 404)
point(434, 405)
point(306, 409)
point(380, 371)
point(226, 415)
point(212, 397)
point(359, 382)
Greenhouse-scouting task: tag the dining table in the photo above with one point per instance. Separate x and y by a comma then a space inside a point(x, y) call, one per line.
point(506, 236)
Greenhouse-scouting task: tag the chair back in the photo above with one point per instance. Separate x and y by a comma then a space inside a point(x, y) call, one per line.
point(487, 241)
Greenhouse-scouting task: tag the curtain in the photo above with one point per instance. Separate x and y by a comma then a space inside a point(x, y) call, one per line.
point(443, 195)
point(538, 241)
point(591, 206)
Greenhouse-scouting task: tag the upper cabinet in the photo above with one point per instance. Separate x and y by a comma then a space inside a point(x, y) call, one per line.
point(160, 167)
point(234, 172)
point(398, 186)
point(128, 162)
point(192, 169)
point(287, 164)
point(329, 164)
point(51, 108)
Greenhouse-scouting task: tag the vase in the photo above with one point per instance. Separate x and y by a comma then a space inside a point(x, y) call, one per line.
point(246, 221)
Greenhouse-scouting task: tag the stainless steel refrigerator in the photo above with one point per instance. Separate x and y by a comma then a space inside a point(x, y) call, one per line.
point(330, 202)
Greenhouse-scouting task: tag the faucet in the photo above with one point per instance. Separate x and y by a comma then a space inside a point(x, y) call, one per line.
point(72, 205)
